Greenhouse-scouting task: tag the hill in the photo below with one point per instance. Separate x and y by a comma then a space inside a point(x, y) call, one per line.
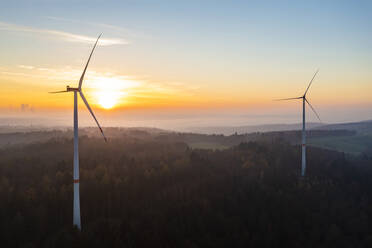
point(357, 142)
point(229, 130)
point(360, 142)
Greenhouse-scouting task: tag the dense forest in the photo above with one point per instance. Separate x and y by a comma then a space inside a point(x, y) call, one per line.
point(147, 190)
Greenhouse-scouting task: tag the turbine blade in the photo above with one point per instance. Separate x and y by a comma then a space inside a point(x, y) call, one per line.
point(55, 92)
point(86, 66)
point(90, 110)
point(313, 109)
point(286, 99)
point(308, 87)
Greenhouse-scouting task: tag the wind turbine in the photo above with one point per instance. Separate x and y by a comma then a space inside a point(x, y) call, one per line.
point(76, 206)
point(304, 101)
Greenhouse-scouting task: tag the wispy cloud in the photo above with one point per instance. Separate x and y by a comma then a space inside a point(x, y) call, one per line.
point(61, 34)
point(26, 67)
point(115, 28)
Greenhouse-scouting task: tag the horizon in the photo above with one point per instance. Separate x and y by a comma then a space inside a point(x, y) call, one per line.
point(179, 124)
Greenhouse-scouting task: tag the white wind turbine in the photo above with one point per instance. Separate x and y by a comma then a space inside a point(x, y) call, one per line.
point(304, 99)
point(76, 217)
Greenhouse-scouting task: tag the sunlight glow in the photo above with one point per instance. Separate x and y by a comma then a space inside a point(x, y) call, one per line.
point(110, 92)
point(107, 99)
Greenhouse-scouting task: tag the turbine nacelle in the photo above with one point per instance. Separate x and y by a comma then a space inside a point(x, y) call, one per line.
point(68, 88)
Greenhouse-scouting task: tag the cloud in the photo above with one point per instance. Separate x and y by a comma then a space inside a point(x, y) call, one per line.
point(29, 67)
point(117, 29)
point(61, 34)
point(113, 27)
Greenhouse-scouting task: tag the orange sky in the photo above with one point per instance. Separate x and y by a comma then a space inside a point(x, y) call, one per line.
point(26, 84)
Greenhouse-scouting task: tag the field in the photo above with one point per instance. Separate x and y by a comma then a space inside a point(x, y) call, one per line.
point(207, 145)
point(348, 144)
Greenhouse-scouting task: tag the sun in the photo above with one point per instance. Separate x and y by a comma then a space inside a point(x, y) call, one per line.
point(109, 92)
point(107, 99)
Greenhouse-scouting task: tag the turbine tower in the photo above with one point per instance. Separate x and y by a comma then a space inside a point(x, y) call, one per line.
point(304, 101)
point(76, 205)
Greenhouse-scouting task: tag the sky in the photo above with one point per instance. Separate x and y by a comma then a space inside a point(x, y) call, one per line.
point(163, 63)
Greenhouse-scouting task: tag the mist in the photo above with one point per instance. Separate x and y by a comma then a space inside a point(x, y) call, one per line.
point(184, 120)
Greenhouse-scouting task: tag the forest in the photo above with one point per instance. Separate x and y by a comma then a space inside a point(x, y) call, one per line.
point(154, 190)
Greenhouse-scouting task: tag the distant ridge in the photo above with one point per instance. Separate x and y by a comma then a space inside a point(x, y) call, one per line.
point(228, 130)
point(360, 127)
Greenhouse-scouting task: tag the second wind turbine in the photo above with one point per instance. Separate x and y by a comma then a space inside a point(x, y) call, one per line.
point(76, 205)
point(304, 101)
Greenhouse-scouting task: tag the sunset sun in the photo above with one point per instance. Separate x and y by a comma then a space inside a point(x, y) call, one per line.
point(110, 92)
point(107, 99)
